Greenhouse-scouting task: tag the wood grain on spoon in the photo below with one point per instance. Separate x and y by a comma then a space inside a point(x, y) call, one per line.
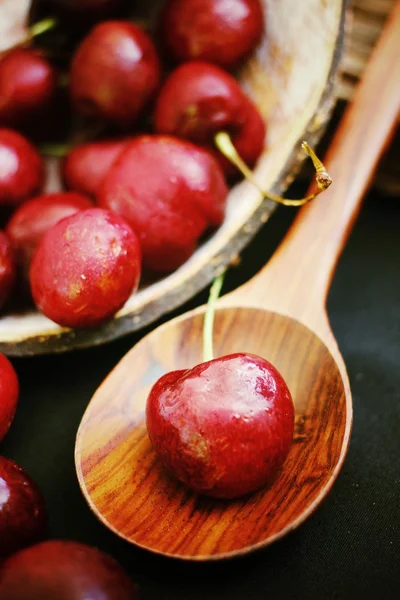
point(118, 471)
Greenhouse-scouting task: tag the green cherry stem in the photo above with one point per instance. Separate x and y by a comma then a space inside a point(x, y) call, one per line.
point(323, 179)
point(42, 26)
point(208, 325)
point(33, 31)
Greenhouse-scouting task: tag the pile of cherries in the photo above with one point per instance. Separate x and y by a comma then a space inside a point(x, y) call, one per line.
point(140, 197)
point(131, 202)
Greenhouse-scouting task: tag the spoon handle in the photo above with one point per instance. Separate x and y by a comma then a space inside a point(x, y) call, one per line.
point(297, 278)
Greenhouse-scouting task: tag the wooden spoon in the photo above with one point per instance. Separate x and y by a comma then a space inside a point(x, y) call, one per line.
point(280, 314)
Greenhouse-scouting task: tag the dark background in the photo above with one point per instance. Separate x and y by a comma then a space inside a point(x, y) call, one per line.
point(351, 547)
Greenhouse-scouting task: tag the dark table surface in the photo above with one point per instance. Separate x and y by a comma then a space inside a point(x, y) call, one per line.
point(350, 548)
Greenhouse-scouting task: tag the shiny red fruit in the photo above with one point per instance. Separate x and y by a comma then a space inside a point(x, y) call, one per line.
point(27, 86)
point(223, 428)
point(169, 191)
point(21, 168)
point(85, 268)
point(86, 165)
point(114, 73)
point(7, 270)
point(198, 100)
point(30, 222)
point(22, 510)
point(9, 393)
point(63, 570)
point(217, 31)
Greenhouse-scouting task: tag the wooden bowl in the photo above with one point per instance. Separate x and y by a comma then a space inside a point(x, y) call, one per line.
point(291, 77)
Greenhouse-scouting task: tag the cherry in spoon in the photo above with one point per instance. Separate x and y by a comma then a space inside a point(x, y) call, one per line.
point(224, 427)
point(279, 315)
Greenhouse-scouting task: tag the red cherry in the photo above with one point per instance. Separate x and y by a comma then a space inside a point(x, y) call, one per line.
point(114, 73)
point(169, 191)
point(198, 100)
point(7, 271)
point(9, 393)
point(220, 32)
point(86, 165)
point(85, 268)
point(22, 510)
point(63, 570)
point(223, 428)
point(30, 222)
point(21, 168)
point(27, 86)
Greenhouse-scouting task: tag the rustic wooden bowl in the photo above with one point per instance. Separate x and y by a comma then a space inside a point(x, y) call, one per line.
point(291, 77)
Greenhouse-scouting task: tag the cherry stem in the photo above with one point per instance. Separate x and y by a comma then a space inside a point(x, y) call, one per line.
point(42, 26)
point(322, 177)
point(34, 31)
point(208, 325)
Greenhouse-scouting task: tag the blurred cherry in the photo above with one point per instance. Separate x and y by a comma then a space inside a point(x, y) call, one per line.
point(27, 86)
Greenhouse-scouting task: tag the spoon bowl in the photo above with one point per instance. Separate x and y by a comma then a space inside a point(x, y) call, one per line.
point(279, 314)
point(142, 503)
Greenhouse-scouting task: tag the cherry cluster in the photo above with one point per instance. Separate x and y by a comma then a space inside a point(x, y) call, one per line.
point(140, 195)
point(133, 200)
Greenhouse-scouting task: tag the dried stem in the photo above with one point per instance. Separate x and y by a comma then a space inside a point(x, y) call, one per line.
point(323, 179)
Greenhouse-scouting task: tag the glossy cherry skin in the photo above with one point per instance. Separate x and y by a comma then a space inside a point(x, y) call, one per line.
point(223, 428)
point(27, 86)
point(30, 222)
point(22, 509)
point(169, 191)
point(9, 393)
point(7, 270)
point(85, 268)
point(114, 73)
point(198, 100)
point(86, 165)
point(223, 33)
point(63, 570)
point(21, 168)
